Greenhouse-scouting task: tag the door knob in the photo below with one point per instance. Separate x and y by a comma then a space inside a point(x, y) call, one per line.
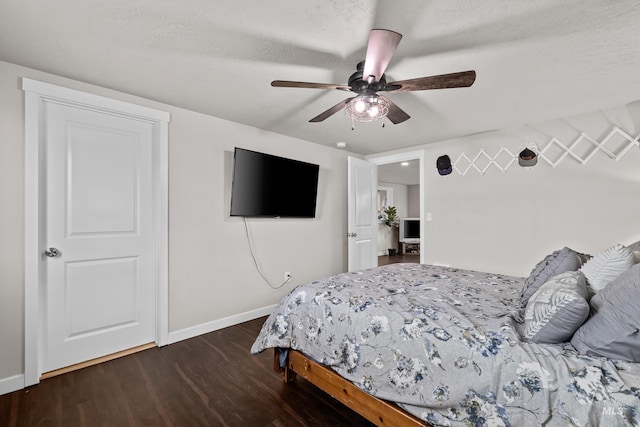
point(52, 252)
point(352, 234)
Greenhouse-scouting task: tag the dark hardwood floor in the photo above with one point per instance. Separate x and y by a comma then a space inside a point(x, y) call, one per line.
point(386, 259)
point(210, 380)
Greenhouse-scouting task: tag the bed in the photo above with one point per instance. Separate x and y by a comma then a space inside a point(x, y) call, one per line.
point(412, 344)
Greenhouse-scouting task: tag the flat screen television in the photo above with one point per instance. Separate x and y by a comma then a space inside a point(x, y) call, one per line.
point(409, 230)
point(270, 186)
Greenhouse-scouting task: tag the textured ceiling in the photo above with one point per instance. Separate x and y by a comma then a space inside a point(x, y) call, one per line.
point(535, 60)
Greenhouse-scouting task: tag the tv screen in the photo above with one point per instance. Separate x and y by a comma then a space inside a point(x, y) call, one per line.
point(410, 230)
point(270, 186)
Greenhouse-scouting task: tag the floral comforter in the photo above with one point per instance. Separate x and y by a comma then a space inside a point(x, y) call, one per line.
point(444, 344)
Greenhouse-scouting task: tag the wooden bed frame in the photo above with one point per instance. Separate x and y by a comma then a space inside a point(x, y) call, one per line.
point(379, 412)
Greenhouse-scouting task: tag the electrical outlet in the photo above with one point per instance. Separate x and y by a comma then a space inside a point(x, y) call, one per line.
point(287, 275)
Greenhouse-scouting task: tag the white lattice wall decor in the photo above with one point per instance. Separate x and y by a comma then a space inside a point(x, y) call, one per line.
point(505, 158)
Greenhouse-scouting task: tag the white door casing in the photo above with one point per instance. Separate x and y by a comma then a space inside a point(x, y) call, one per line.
point(362, 221)
point(401, 157)
point(96, 189)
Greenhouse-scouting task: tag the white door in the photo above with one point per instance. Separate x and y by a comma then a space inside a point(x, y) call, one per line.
point(363, 221)
point(99, 291)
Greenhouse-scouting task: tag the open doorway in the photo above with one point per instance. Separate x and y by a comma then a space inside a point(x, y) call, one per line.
point(400, 178)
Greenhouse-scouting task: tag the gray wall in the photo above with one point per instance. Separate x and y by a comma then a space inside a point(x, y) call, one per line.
point(413, 201)
point(506, 222)
point(211, 274)
point(500, 222)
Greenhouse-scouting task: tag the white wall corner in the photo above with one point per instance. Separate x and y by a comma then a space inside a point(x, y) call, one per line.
point(215, 325)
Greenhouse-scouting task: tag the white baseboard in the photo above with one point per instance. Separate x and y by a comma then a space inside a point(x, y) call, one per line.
point(11, 384)
point(16, 382)
point(205, 328)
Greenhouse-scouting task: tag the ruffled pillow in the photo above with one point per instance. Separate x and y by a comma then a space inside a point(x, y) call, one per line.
point(557, 262)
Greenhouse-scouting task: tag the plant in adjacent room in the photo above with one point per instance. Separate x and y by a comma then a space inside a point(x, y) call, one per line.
point(392, 221)
point(391, 216)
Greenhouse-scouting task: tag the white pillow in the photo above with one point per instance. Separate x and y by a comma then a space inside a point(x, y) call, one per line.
point(605, 267)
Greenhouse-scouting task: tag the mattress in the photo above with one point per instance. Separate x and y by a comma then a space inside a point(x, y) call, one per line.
point(445, 344)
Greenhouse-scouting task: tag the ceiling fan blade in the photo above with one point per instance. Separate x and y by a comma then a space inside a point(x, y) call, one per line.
point(442, 81)
point(381, 47)
point(396, 114)
point(286, 83)
point(331, 111)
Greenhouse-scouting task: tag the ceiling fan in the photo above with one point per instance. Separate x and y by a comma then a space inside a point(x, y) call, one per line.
point(369, 79)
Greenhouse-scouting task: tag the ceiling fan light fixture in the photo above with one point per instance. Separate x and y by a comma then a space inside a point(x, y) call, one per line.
point(370, 78)
point(367, 108)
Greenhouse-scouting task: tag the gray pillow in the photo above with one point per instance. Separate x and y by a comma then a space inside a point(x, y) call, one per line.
point(612, 329)
point(634, 246)
point(557, 262)
point(557, 309)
